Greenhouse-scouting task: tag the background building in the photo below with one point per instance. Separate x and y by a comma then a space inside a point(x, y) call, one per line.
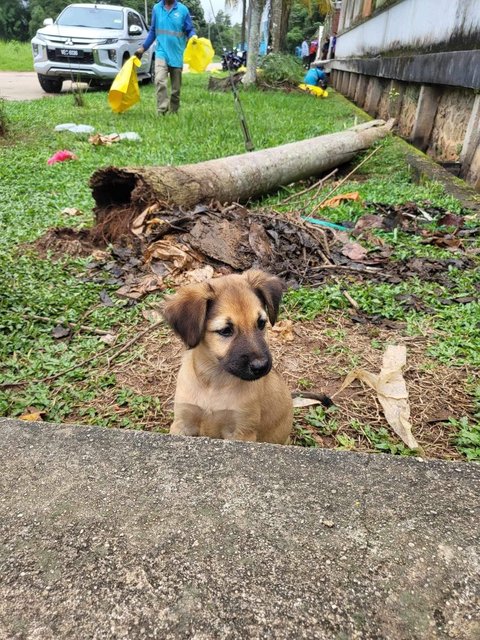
point(417, 61)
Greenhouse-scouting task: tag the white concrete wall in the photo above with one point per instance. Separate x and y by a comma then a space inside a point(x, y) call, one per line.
point(411, 23)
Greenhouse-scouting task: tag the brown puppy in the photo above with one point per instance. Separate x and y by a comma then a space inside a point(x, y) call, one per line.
point(226, 387)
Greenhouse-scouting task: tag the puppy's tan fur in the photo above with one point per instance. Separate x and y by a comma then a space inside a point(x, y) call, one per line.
point(213, 398)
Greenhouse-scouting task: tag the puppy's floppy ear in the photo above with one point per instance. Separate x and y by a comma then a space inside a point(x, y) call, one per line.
point(269, 289)
point(186, 312)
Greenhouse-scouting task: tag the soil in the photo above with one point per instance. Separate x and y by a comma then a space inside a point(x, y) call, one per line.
point(317, 359)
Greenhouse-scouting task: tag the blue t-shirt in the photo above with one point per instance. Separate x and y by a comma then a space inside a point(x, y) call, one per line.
point(314, 75)
point(172, 27)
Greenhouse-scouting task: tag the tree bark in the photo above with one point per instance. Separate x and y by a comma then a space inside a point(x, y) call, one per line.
point(277, 7)
point(244, 22)
point(125, 192)
point(250, 76)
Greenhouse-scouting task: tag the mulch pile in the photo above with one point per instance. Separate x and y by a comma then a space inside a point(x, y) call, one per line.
point(166, 247)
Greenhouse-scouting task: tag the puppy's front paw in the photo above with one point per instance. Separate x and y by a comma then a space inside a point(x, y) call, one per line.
point(182, 429)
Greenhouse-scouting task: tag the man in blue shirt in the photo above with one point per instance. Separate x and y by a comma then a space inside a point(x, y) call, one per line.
point(316, 76)
point(171, 28)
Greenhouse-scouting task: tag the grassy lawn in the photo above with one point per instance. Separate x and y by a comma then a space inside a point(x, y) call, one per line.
point(15, 56)
point(33, 197)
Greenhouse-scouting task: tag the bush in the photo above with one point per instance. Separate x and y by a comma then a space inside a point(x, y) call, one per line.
point(279, 69)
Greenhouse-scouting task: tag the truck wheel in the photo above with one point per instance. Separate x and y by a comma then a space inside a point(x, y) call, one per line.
point(50, 85)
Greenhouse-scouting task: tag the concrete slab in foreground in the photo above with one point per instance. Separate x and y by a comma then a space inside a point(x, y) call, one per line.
point(121, 534)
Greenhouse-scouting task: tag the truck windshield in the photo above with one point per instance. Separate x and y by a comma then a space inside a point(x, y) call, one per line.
point(91, 17)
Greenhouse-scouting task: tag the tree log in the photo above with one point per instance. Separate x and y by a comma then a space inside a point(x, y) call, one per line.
point(231, 179)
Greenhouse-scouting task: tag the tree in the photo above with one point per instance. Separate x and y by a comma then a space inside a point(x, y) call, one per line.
point(13, 20)
point(311, 13)
point(234, 4)
point(126, 192)
point(256, 9)
point(223, 33)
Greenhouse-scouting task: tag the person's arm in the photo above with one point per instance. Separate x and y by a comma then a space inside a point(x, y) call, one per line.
point(149, 39)
point(188, 26)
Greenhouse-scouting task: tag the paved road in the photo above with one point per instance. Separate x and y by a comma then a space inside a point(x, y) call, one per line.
point(111, 533)
point(24, 85)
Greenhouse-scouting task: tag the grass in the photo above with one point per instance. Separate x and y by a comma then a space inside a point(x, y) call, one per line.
point(15, 56)
point(34, 195)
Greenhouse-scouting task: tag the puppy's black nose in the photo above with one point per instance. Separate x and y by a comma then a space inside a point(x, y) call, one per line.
point(259, 367)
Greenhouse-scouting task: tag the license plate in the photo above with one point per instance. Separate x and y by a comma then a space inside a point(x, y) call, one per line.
point(70, 53)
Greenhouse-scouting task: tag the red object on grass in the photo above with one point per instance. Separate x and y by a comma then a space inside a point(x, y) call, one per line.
point(61, 156)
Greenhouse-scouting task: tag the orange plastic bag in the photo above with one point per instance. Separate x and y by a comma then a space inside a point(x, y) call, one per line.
point(124, 92)
point(198, 53)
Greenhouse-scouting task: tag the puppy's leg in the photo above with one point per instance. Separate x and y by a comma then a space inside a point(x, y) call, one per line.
point(186, 420)
point(179, 428)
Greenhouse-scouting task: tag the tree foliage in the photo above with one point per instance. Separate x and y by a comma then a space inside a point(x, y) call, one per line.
point(223, 33)
point(303, 23)
point(20, 19)
point(13, 20)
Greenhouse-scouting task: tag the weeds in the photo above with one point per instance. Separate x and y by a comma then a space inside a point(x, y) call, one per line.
point(3, 119)
point(467, 438)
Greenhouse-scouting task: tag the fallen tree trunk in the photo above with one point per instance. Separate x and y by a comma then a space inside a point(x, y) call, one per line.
point(127, 191)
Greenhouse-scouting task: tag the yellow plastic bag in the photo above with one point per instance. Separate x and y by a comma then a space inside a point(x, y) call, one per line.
point(198, 54)
point(315, 91)
point(124, 92)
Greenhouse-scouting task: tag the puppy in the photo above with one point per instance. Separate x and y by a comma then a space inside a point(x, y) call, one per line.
point(226, 387)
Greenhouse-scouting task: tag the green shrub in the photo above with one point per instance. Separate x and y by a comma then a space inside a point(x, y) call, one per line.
point(279, 69)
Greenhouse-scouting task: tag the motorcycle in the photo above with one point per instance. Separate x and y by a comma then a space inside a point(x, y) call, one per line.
point(233, 60)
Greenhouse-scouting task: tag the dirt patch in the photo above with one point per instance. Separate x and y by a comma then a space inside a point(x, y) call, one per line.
point(60, 242)
point(317, 359)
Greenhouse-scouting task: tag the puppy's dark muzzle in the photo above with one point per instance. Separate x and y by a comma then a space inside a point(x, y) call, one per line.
point(250, 369)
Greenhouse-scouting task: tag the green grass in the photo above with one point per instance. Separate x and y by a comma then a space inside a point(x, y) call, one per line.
point(33, 196)
point(15, 56)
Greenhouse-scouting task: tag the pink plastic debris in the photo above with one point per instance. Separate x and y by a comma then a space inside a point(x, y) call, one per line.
point(61, 156)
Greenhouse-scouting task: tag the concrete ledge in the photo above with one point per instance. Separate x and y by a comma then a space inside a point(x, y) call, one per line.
point(122, 534)
point(455, 68)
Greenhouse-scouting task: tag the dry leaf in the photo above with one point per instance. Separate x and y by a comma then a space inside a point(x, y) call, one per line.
point(138, 289)
point(99, 139)
point(179, 255)
point(354, 251)
point(337, 200)
point(60, 331)
point(71, 211)
point(33, 415)
point(201, 274)
point(109, 338)
point(153, 314)
point(391, 391)
point(283, 331)
point(305, 402)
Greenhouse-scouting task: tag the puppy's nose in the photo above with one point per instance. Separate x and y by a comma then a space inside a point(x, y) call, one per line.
point(259, 366)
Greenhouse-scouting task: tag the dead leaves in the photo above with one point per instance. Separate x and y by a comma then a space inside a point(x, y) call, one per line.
point(391, 391)
point(99, 139)
point(339, 199)
point(32, 415)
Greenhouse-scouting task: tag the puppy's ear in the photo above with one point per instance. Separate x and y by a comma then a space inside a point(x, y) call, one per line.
point(269, 289)
point(186, 312)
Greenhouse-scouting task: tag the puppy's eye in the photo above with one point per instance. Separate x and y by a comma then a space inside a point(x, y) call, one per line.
point(226, 332)
point(261, 324)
